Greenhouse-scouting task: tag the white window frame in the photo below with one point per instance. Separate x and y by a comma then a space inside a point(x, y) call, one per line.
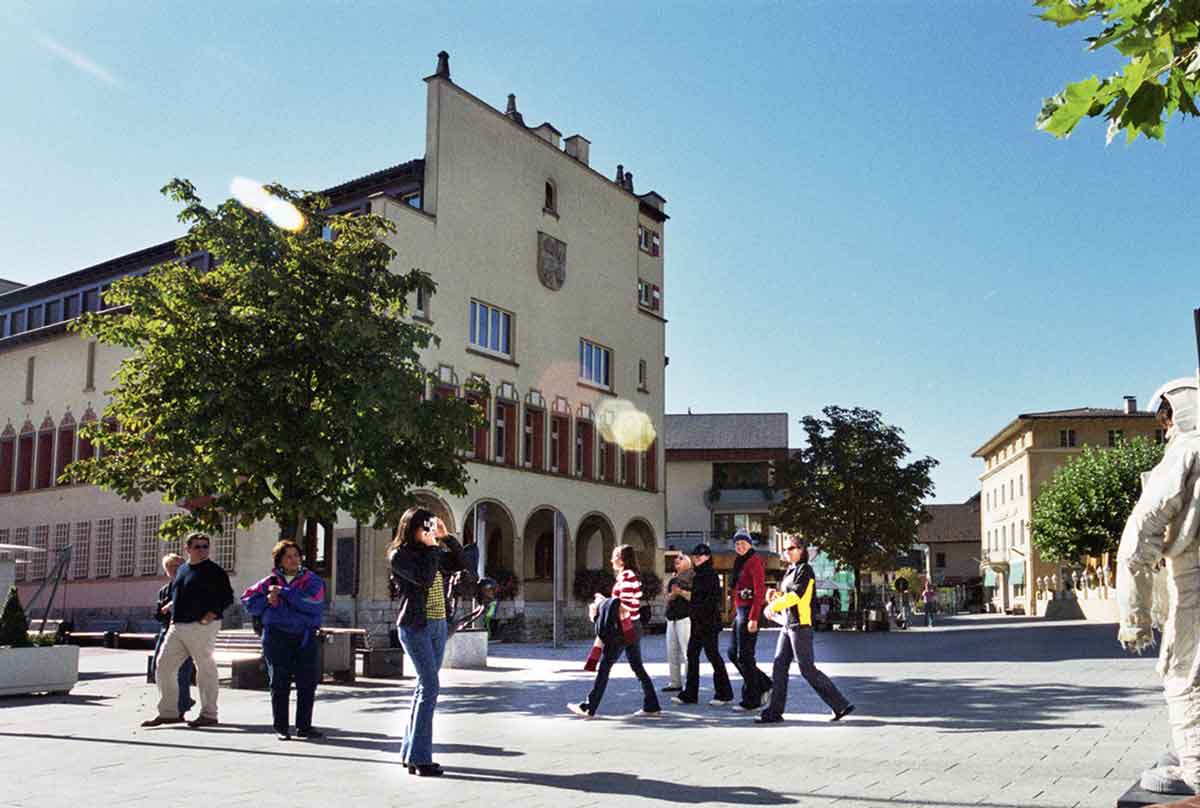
point(104, 549)
point(595, 364)
point(482, 336)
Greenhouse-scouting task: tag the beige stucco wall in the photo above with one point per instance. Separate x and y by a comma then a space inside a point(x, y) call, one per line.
point(686, 484)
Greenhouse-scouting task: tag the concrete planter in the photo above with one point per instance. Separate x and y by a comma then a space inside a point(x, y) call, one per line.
point(53, 669)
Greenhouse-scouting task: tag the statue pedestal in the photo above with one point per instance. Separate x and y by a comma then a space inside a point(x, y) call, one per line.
point(1138, 797)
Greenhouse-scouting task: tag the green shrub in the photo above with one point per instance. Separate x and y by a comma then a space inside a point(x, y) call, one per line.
point(589, 582)
point(14, 627)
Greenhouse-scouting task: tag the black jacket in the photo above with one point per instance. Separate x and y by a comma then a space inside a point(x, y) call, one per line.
point(199, 589)
point(706, 601)
point(164, 597)
point(799, 581)
point(413, 570)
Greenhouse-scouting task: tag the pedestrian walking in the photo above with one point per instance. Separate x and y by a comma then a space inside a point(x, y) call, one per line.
point(200, 594)
point(171, 563)
point(930, 598)
point(749, 594)
point(627, 591)
point(679, 621)
point(290, 601)
point(705, 615)
point(423, 556)
point(795, 597)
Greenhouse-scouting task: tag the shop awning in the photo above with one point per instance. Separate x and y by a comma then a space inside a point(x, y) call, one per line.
point(1016, 573)
point(989, 577)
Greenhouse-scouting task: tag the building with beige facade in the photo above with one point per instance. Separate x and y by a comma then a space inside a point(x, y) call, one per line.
point(950, 539)
point(550, 288)
point(1018, 461)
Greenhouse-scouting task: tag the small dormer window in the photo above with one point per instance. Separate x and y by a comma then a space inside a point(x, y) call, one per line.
point(551, 205)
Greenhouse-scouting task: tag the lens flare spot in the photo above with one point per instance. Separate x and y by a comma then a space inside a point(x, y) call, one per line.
point(623, 423)
point(253, 195)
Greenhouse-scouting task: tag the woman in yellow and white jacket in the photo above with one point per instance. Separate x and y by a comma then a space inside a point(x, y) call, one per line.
point(794, 598)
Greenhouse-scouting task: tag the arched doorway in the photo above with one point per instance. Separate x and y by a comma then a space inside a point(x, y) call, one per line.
point(539, 561)
point(496, 537)
point(594, 543)
point(640, 536)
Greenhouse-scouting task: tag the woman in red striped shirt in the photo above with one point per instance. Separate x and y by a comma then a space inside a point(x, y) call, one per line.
point(628, 590)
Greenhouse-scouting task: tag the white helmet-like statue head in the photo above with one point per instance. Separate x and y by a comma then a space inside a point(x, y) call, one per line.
point(1183, 397)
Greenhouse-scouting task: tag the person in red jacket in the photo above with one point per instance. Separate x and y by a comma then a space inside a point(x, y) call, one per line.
point(749, 594)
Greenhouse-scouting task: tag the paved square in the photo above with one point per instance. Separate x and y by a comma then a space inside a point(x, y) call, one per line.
point(986, 711)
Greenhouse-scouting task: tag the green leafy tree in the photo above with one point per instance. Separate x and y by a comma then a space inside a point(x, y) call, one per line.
point(285, 382)
point(1161, 42)
point(850, 493)
point(14, 626)
point(1083, 508)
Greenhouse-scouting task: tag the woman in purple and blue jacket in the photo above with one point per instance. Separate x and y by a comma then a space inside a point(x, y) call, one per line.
point(290, 601)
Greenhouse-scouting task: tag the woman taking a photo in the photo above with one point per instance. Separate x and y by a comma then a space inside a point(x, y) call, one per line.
point(290, 602)
point(628, 590)
point(422, 557)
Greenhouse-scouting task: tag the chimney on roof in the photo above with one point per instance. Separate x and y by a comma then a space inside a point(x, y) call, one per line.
point(511, 110)
point(443, 67)
point(620, 175)
point(577, 146)
point(1130, 405)
point(629, 181)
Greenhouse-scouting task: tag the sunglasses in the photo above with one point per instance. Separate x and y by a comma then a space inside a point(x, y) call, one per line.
point(794, 547)
point(199, 546)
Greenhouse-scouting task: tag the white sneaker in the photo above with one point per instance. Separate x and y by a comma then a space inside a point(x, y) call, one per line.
point(647, 714)
point(678, 700)
point(720, 702)
point(765, 700)
point(741, 709)
point(579, 710)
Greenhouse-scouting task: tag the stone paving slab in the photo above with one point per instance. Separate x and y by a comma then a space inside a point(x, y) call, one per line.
point(999, 712)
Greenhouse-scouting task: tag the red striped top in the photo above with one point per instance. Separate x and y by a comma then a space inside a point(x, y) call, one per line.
point(628, 589)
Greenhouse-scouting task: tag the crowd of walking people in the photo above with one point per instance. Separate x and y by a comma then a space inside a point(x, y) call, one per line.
point(426, 563)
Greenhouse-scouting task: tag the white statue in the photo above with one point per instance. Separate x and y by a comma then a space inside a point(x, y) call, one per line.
point(1163, 526)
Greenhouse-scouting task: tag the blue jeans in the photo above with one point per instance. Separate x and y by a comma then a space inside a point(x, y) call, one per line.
point(741, 653)
point(425, 647)
point(185, 675)
point(633, 652)
point(288, 658)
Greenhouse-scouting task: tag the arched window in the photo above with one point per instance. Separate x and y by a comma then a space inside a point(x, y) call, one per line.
point(494, 543)
point(44, 471)
point(543, 556)
point(25, 457)
point(551, 205)
point(8, 456)
point(66, 445)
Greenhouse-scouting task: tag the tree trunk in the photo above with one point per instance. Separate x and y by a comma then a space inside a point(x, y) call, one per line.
point(290, 527)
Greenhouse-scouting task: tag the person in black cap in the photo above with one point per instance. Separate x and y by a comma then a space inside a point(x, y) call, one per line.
point(705, 611)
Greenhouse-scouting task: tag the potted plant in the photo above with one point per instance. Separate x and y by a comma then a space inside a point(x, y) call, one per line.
point(29, 668)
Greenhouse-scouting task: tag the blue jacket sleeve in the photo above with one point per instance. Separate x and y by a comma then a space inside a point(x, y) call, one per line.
point(306, 596)
point(254, 599)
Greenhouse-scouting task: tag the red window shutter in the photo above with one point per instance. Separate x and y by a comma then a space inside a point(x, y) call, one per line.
point(8, 449)
point(510, 434)
point(481, 434)
point(45, 459)
point(589, 448)
point(25, 461)
point(538, 451)
point(86, 449)
point(564, 445)
point(631, 468)
point(66, 445)
point(651, 461)
point(610, 462)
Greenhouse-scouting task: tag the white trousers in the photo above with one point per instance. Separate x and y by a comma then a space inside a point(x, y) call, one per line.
point(678, 634)
point(188, 640)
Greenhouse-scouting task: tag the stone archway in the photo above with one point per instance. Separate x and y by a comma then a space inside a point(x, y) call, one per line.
point(595, 540)
point(640, 535)
point(498, 546)
point(539, 559)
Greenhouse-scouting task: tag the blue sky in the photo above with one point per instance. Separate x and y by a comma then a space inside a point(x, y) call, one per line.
point(862, 211)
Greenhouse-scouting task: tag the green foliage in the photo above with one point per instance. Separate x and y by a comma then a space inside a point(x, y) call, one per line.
point(1160, 39)
point(914, 581)
point(849, 492)
point(285, 382)
point(588, 582)
point(45, 639)
point(652, 584)
point(1083, 509)
point(14, 626)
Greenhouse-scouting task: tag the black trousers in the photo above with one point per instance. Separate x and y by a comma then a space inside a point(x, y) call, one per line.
point(705, 641)
point(741, 653)
point(633, 652)
point(796, 642)
point(289, 658)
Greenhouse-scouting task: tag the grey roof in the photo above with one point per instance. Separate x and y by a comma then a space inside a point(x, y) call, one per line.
point(740, 430)
point(950, 523)
point(1087, 412)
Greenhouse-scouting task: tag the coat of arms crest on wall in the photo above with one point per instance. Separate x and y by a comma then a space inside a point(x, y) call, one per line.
point(552, 261)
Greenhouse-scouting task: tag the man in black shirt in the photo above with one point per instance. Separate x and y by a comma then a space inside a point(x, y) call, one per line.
point(201, 593)
point(705, 613)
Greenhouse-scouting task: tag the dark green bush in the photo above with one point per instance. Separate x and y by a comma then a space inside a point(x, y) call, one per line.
point(14, 627)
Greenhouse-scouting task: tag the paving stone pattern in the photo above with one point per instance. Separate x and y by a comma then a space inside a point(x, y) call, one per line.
point(979, 710)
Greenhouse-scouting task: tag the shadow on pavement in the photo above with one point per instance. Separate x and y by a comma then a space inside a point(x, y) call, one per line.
point(90, 700)
point(625, 784)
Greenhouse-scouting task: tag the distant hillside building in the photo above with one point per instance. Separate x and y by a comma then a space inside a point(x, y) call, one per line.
point(951, 537)
point(1018, 461)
